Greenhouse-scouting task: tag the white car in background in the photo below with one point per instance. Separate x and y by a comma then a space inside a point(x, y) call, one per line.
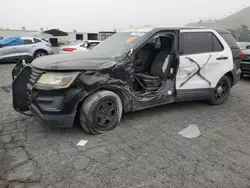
point(244, 45)
point(79, 46)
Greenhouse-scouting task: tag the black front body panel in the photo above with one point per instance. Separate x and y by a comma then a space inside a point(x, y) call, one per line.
point(59, 106)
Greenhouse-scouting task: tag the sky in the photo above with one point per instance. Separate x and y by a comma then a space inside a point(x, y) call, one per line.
point(97, 15)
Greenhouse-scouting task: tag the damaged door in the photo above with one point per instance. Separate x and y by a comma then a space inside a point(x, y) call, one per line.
point(155, 67)
point(203, 61)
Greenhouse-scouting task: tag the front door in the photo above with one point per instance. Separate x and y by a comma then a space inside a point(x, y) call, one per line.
point(9, 52)
point(203, 61)
point(155, 71)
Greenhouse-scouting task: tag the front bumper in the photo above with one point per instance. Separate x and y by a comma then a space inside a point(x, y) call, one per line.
point(57, 120)
point(55, 107)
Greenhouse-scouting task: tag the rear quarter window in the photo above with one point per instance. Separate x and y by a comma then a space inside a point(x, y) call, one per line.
point(217, 46)
point(230, 40)
point(36, 40)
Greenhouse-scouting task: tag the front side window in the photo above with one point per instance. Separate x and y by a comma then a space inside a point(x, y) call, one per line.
point(158, 43)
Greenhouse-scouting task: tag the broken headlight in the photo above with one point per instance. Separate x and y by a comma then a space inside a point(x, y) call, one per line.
point(57, 80)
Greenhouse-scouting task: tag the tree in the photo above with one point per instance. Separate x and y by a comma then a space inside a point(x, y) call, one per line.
point(244, 27)
point(233, 33)
point(244, 34)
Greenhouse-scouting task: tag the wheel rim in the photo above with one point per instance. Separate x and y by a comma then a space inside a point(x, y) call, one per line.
point(221, 90)
point(40, 54)
point(106, 114)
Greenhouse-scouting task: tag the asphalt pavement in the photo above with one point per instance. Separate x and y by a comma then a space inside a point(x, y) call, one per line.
point(144, 151)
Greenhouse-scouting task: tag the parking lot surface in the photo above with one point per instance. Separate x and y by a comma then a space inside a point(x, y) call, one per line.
point(144, 151)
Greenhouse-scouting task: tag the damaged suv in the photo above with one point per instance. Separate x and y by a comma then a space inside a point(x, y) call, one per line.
point(129, 71)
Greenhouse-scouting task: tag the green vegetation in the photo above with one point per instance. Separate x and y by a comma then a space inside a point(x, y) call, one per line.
point(242, 34)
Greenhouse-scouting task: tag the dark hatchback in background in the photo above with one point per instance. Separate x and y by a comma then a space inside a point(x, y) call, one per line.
point(245, 64)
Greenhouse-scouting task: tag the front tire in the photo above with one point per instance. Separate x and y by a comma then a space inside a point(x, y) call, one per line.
point(101, 112)
point(221, 91)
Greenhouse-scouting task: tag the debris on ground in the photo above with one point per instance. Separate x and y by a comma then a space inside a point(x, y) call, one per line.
point(191, 131)
point(82, 142)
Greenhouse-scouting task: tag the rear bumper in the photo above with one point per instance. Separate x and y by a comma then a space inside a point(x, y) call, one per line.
point(245, 67)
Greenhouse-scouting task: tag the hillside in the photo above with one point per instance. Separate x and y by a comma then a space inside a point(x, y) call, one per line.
point(231, 22)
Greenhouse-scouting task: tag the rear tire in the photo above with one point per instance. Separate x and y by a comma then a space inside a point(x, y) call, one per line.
point(101, 112)
point(40, 53)
point(221, 91)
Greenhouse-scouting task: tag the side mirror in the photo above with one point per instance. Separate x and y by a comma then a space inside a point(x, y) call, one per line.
point(86, 44)
point(248, 47)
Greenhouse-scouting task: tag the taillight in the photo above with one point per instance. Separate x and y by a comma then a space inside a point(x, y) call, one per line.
point(49, 45)
point(69, 49)
point(241, 54)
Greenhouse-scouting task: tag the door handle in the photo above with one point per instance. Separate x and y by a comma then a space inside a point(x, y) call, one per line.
point(14, 48)
point(33, 46)
point(222, 58)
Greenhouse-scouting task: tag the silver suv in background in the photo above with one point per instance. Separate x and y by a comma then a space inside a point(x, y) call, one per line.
point(30, 48)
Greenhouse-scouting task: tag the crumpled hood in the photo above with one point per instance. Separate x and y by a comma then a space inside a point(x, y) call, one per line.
point(73, 61)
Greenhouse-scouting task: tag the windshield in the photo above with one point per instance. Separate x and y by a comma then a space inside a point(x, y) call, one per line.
point(118, 44)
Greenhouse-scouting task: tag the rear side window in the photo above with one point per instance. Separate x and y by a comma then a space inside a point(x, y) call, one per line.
point(230, 40)
point(203, 42)
point(27, 41)
point(197, 43)
point(36, 40)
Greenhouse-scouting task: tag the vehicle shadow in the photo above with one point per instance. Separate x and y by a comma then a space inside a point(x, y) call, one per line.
point(163, 109)
point(159, 110)
point(7, 62)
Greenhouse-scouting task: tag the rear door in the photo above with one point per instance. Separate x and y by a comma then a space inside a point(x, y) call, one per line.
point(204, 59)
